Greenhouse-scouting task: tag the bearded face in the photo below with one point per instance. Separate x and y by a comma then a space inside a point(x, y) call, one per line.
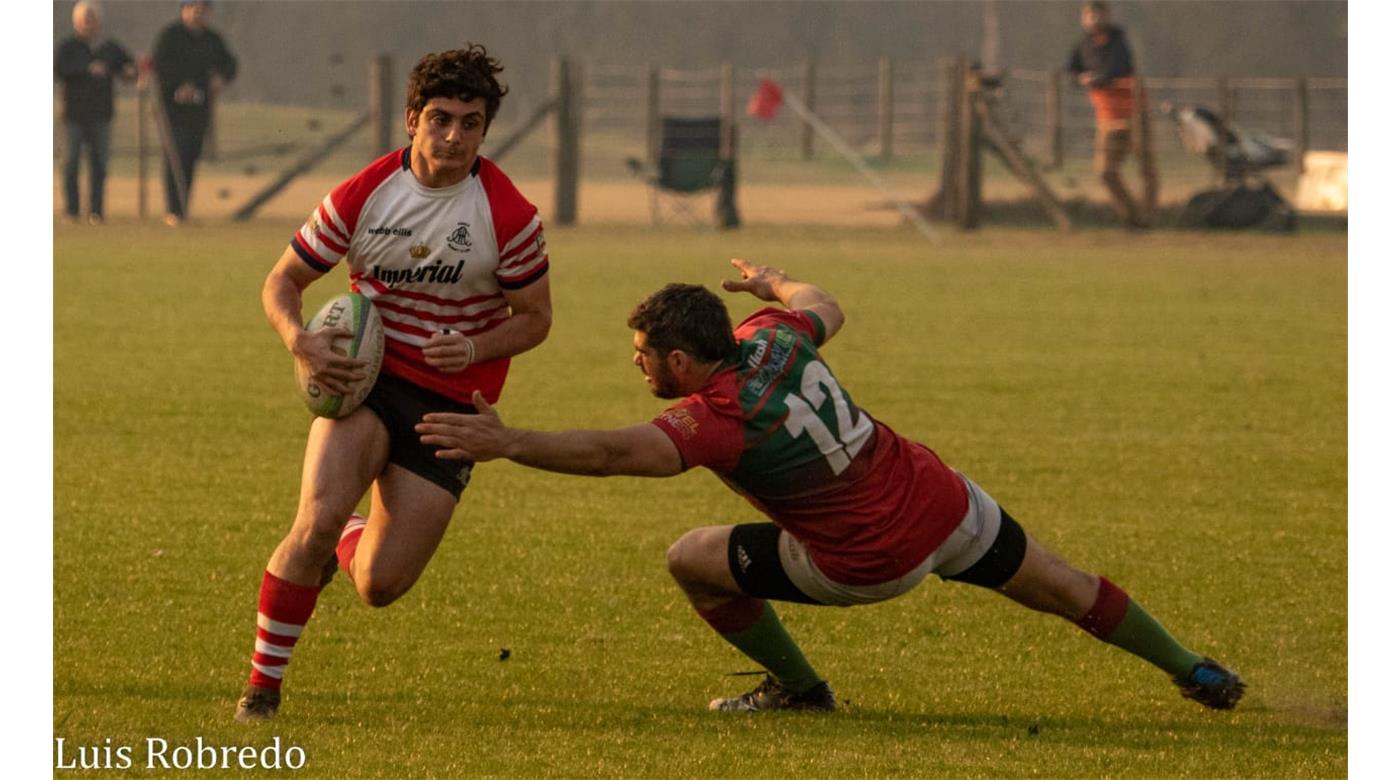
point(659, 377)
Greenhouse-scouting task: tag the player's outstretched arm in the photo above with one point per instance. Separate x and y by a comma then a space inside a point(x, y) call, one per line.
point(281, 299)
point(770, 284)
point(637, 450)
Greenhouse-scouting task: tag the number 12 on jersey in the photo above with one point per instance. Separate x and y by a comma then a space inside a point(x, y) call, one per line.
point(853, 428)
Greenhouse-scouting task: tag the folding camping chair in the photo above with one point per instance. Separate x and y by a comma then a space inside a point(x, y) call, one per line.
point(688, 165)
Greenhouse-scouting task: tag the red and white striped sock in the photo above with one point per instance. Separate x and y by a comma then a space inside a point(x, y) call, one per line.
point(283, 609)
point(350, 540)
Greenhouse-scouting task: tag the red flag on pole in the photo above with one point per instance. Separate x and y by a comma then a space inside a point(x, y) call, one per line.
point(765, 100)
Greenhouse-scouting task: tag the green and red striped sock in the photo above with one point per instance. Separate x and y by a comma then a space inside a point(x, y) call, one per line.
point(752, 626)
point(1120, 621)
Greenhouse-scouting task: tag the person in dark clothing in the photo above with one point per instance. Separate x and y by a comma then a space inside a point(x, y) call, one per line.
point(1103, 64)
point(86, 65)
point(191, 65)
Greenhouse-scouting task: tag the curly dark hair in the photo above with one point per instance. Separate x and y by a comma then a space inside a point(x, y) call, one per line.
point(465, 74)
point(687, 317)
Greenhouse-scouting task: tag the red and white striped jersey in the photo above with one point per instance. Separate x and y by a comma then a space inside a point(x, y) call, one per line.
point(430, 259)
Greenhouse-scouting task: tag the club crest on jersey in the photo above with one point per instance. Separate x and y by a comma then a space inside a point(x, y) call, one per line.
point(419, 251)
point(460, 238)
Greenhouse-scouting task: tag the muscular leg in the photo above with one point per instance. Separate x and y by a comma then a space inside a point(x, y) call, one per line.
point(1046, 583)
point(342, 458)
point(699, 562)
point(407, 520)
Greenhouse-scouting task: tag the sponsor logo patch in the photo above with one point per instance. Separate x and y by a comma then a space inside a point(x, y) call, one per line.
point(682, 421)
point(385, 230)
point(419, 251)
point(436, 273)
point(768, 363)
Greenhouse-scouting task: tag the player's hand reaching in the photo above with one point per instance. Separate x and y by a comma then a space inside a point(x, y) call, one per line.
point(478, 437)
point(760, 280)
point(449, 351)
point(325, 365)
point(770, 284)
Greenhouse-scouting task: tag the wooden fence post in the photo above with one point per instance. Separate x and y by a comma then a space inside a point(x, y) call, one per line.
point(969, 202)
point(1301, 121)
point(947, 201)
point(381, 105)
point(653, 119)
point(1054, 120)
point(566, 142)
point(726, 110)
point(809, 99)
point(1142, 145)
point(1226, 97)
point(210, 149)
point(885, 112)
point(143, 111)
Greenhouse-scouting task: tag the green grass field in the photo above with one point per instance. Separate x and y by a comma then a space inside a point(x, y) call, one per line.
point(1169, 410)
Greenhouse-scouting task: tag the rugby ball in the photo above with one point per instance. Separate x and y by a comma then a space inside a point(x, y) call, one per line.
point(357, 314)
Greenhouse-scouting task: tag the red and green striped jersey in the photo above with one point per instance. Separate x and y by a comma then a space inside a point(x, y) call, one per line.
point(776, 427)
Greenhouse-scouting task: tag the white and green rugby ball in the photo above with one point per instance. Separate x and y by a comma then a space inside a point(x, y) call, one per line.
point(357, 314)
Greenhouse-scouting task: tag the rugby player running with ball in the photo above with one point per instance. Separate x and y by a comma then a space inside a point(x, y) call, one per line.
point(860, 514)
point(453, 258)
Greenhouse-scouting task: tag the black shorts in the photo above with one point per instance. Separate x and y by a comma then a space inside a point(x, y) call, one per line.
point(400, 405)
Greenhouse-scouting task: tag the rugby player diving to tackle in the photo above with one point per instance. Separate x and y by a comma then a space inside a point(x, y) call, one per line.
point(859, 513)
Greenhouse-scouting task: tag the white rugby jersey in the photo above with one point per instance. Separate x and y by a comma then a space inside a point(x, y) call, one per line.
point(430, 258)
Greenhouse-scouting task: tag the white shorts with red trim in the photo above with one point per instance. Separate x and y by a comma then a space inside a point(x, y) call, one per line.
point(968, 543)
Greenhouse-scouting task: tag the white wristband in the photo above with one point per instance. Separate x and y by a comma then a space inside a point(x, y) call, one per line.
point(471, 350)
point(471, 345)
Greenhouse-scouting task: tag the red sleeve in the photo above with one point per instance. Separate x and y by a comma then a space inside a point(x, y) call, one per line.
point(804, 322)
point(519, 232)
point(703, 437)
point(325, 238)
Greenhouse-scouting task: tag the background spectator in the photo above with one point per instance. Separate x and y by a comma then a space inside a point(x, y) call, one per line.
point(1103, 64)
point(86, 64)
point(191, 65)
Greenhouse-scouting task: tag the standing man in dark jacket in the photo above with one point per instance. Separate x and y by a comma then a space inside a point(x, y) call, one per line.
point(86, 65)
point(1103, 64)
point(191, 64)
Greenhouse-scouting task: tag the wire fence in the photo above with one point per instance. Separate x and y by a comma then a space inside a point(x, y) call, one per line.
point(893, 113)
point(848, 98)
